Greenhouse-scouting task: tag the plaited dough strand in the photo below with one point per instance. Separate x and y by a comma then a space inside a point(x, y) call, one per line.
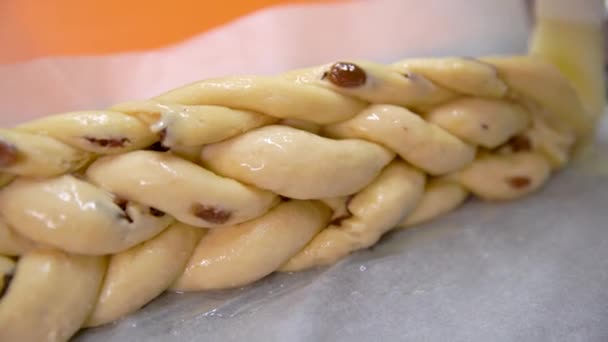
point(224, 181)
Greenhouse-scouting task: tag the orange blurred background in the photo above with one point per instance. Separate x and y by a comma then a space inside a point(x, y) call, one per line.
point(35, 28)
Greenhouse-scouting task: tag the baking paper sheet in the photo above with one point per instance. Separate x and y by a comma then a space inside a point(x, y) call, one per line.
point(530, 270)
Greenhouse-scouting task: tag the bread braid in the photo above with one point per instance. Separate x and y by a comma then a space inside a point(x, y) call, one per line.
point(219, 183)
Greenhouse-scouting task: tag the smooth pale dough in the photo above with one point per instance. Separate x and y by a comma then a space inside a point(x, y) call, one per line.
point(301, 125)
point(440, 197)
point(11, 243)
point(189, 153)
point(480, 121)
point(238, 255)
point(82, 129)
point(424, 145)
point(555, 146)
point(296, 163)
point(375, 210)
point(194, 125)
point(543, 83)
point(55, 291)
point(383, 85)
point(87, 221)
point(504, 177)
point(277, 97)
point(42, 156)
point(176, 186)
point(463, 75)
point(138, 275)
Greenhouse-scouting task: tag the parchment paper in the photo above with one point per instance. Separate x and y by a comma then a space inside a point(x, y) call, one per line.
point(530, 270)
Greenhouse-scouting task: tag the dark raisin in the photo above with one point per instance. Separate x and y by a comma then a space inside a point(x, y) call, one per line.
point(7, 278)
point(8, 154)
point(519, 182)
point(122, 204)
point(346, 75)
point(210, 213)
point(338, 220)
point(156, 212)
point(520, 143)
point(485, 126)
point(158, 147)
point(111, 143)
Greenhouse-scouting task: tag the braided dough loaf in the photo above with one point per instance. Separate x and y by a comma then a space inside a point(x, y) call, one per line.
point(219, 183)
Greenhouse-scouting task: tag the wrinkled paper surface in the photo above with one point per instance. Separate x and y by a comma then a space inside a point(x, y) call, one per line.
point(535, 269)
